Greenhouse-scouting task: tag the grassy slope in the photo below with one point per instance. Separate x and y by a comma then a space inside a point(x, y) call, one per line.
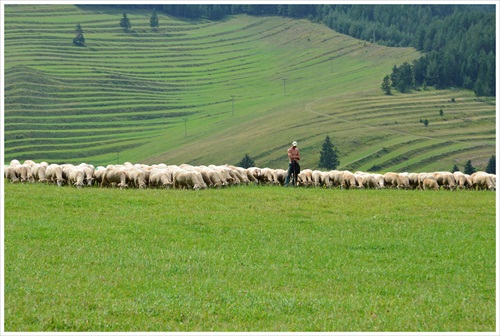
point(248, 259)
point(129, 93)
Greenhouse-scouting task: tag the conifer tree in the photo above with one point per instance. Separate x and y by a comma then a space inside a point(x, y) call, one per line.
point(386, 85)
point(469, 169)
point(246, 162)
point(79, 40)
point(153, 21)
point(125, 22)
point(492, 167)
point(328, 156)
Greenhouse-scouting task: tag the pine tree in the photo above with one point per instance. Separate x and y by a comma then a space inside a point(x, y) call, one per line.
point(153, 22)
point(405, 79)
point(455, 169)
point(246, 162)
point(125, 22)
point(79, 40)
point(492, 167)
point(386, 85)
point(469, 169)
point(328, 156)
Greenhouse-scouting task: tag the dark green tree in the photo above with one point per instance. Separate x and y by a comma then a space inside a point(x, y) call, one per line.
point(386, 85)
point(329, 158)
point(455, 168)
point(402, 77)
point(153, 21)
point(79, 40)
point(246, 162)
point(432, 73)
point(426, 122)
point(125, 22)
point(468, 168)
point(491, 168)
point(394, 78)
point(441, 112)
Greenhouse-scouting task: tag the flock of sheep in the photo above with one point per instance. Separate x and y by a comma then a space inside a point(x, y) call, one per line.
point(186, 176)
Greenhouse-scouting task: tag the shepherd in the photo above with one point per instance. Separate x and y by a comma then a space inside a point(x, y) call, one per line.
point(293, 166)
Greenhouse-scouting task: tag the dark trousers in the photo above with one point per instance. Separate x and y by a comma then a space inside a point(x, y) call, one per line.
point(293, 171)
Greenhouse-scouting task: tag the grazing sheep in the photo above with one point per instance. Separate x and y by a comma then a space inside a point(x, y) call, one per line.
point(54, 174)
point(241, 173)
point(422, 177)
point(445, 180)
point(267, 176)
point(316, 178)
point(305, 178)
point(254, 174)
point(187, 176)
point(23, 171)
point(349, 181)
point(188, 179)
point(321, 179)
point(227, 176)
point(413, 180)
point(391, 180)
point(66, 168)
point(38, 173)
point(89, 170)
point(483, 181)
point(336, 178)
point(76, 177)
point(10, 174)
point(14, 163)
point(114, 175)
point(461, 180)
point(371, 181)
point(98, 172)
point(403, 181)
point(161, 178)
point(136, 178)
point(430, 184)
point(29, 162)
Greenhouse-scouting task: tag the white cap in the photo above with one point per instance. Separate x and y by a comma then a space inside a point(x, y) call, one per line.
point(294, 143)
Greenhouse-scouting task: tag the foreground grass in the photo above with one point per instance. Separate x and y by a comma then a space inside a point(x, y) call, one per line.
point(248, 258)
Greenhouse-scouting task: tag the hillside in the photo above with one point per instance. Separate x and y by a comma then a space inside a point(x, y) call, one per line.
point(167, 96)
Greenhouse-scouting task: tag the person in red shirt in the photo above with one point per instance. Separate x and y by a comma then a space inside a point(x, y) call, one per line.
point(293, 166)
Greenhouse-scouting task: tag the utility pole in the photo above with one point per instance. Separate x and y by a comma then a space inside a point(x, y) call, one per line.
point(284, 86)
point(185, 126)
point(232, 100)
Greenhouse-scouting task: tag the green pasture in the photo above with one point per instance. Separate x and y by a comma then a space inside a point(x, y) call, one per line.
point(204, 92)
point(248, 259)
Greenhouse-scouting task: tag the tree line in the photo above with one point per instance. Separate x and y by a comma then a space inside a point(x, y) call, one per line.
point(458, 41)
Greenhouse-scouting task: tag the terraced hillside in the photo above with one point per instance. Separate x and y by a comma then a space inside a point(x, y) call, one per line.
point(208, 92)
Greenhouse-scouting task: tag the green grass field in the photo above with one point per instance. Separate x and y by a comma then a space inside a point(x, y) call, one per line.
point(248, 259)
point(126, 96)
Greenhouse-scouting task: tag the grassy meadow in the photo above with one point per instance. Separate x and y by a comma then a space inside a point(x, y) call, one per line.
point(248, 259)
point(167, 96)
